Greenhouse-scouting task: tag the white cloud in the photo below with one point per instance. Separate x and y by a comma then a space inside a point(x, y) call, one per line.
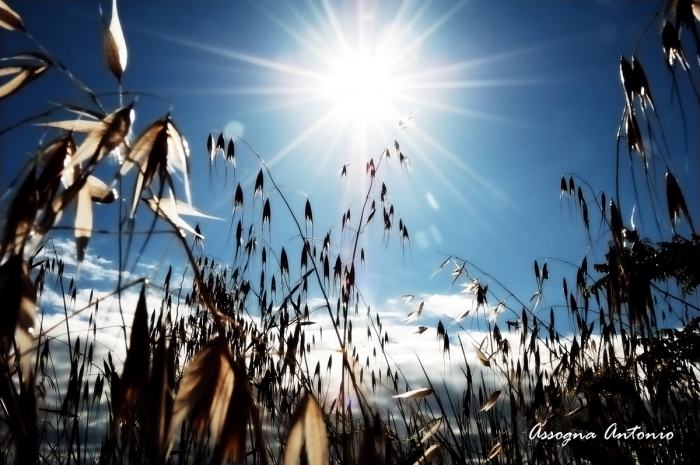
point(420, 359)
point(405, 352)
point(104, 336)
point(109, 333)
point(93, 269)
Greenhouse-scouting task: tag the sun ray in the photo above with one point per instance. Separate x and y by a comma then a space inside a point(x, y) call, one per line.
point(314, 43)
point(396, 42)
point(465, 169)
point(295, 103)
point(335, 26)
point(394, 26)
point(431, 29)
point(481, 83)
point(310, 92)
point(483, 61)
point(311, 130)
point(426, 103)
point(476, 216)
point(261, 62)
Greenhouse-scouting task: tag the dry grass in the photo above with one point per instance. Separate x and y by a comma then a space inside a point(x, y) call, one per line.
point(223, 370)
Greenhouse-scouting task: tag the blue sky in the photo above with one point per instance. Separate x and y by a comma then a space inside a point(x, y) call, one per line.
point(511, 95)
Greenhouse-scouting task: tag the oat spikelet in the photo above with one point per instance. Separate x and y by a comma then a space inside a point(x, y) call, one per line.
point(9, 19)
point(115, 45)
point(205, 390)
point(25, 73)
point(482, 357)
point(267, 215)
point(159, 150)
point(161, 399)
point(408, 120)
point(676, 202)
point(83, 222)
point(672, 46)
point(20, 216)
point(93, 190)
point(241, 411)
point(74, 125)
point(53, 157)
point(430, 454)
point(414, 394)
point(104, 138)
point(170, 210)
point(491, 401)
point(231, 153)
point(210, 148)
point(430, 429)
point(495, 451)
point(307, 425)
point(259, 183)
point(133, 385)
point(18, 299)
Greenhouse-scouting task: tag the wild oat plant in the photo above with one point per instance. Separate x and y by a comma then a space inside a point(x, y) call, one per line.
point(221, 370)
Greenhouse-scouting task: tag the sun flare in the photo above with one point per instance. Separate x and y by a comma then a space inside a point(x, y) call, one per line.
point(361, 87)
point(359, 77)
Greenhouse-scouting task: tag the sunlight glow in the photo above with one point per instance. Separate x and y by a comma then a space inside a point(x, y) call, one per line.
point(362, 76)
point(361, 87)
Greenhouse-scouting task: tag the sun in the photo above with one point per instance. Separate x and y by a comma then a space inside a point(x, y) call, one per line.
point(361, 87)
point(366, 68)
